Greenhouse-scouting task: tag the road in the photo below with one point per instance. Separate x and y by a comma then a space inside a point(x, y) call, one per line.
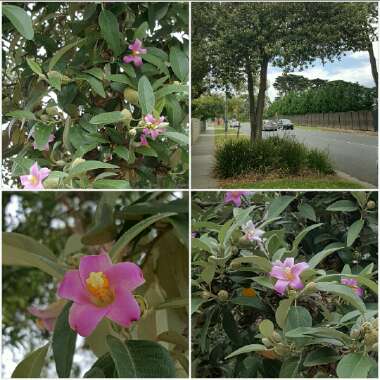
point(351, 152)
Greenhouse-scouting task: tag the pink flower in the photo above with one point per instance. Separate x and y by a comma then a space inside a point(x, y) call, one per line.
point(235, 197)
point(288, 274)
point(151, 121)
point(137, 50)
point(353, 284)
point(46, 147)
point(101, 289)
point(47, 317)
point(143, 140)
point(33, 180)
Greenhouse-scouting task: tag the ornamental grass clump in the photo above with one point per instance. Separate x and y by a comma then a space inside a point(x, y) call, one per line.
point(283, 155)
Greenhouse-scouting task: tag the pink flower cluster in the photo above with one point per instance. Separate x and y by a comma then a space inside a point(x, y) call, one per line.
point(152, 129)
point(353, 284)
point(101, 289)
point(235, 197)
point(136, 51)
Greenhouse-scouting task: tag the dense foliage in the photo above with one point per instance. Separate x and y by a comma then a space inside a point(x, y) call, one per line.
point(274, 155)
point(333, 96)
point(213, 106)
point(324, 327)
point(48, 233)
point(96, 93)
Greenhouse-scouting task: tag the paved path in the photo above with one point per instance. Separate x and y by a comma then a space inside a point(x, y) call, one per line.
point(202, 161)
point(351, 152)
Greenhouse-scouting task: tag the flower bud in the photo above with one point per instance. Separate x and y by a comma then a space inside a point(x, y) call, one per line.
point(266, 342)
point(127, 115)
point(132, 132)
point(51, 182)
point(310, 286)
point(131, 96)
point(355, 333)
point(371, 205)
point(276, 337)
point(235, 265)
point(223, 295)
point(51, 110)
point(205, 295)
point(77, 161)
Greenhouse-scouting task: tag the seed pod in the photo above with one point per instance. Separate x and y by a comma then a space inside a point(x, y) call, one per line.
point(355, 333)
point(131, 96)
point(51, 182)
point(77, 161)
point(51, 110)
point(371, 205)
point(44, 117)
point(132, 132)
point(223, 295)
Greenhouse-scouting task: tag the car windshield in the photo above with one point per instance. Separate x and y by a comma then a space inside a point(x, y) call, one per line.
point(285, 121)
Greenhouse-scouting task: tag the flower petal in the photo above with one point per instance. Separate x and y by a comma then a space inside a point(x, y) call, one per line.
point(280, 286)
point(84, 318)
point(299, 268)
point(34, 170)
point(128, 59)
point(359, 291)
point(125, 309)
point(44, 172)
point(278, 272)
point(125, 274)
point(289, 262)
point(137, 61)
point(93, 263)
point(25, 180)
point(72, 288)
point(296, 283)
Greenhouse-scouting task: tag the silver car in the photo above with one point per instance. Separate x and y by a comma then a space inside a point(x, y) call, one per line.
point(269, 125)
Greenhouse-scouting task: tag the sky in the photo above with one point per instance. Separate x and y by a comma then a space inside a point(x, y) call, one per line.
point(354, 67)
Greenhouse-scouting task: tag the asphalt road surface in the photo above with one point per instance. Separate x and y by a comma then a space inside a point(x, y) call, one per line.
point(352, 153)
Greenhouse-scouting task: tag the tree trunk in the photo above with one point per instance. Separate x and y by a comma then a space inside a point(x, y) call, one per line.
point(251, 100)
point(261, 98)
point(372, 60)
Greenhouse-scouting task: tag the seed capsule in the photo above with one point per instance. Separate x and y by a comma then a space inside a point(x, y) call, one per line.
point(223, 295)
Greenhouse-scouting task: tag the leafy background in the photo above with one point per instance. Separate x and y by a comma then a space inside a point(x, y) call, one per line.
point(321, 227)
point(63, 74)
point(62, 221)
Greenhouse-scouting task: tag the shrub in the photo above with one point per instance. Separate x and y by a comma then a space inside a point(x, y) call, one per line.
point(245, 324)
point(239, 156)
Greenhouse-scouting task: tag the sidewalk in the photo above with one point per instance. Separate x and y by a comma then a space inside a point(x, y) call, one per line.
point(202, 161)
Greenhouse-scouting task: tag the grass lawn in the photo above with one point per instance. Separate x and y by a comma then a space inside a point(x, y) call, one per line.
point(333, 182)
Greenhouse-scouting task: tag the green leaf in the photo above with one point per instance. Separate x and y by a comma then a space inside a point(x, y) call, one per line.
point(140, 32)
point(230, 326)
point(331, 333)
point(134, 231)
point(343, 291)
point(266, 328)
point(321, 356)
point(258, 262)
point(55, 79)
point(104, 364)
point(154, 60)
point(204, 332)
point(34, 66)
point(61, 52)
point(122, 152)
point(41, 135)
point(179, 63)
point(247, 349)
point(289, 367)
point(140, 359)
point(278, 205)
point(354, 365)
point(90, 165)
point(109, 27)
point(343, 205)
point(196, 302)
point(22, 250)
point(31, 365)
point(111, 184)
point(354, 231)
point(307, 212)
point(301, 235)
point(146, 95)
point(177, 137)
point(21, 114)
point(298, 316)
point(208, 273)
point(170, 89)
point(95, 84)
point(107, 118)
point(254, 302)
point(64, 339)
point(20, 20)
point(361, 197)
point(317, 258)
point(118, 78)
point(282, 312)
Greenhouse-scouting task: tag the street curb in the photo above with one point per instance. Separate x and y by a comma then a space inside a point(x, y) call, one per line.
point(346, 176)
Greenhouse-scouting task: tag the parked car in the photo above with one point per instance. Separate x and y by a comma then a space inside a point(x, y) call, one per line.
point(285, 124)
point(269, 125)
point(235, 123)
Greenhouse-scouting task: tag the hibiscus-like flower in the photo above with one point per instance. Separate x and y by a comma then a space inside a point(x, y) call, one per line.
point(287, 274)
point(353, 284)
point(153, 128)
point(235, 197)
point(101, 289)
point(46, 147)
point(33, 180)
point(252, 233)
point(136, 51)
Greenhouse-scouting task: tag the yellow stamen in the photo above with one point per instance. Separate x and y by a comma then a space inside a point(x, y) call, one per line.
point(288, 274)
point(33, 180)
point(98, 286)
